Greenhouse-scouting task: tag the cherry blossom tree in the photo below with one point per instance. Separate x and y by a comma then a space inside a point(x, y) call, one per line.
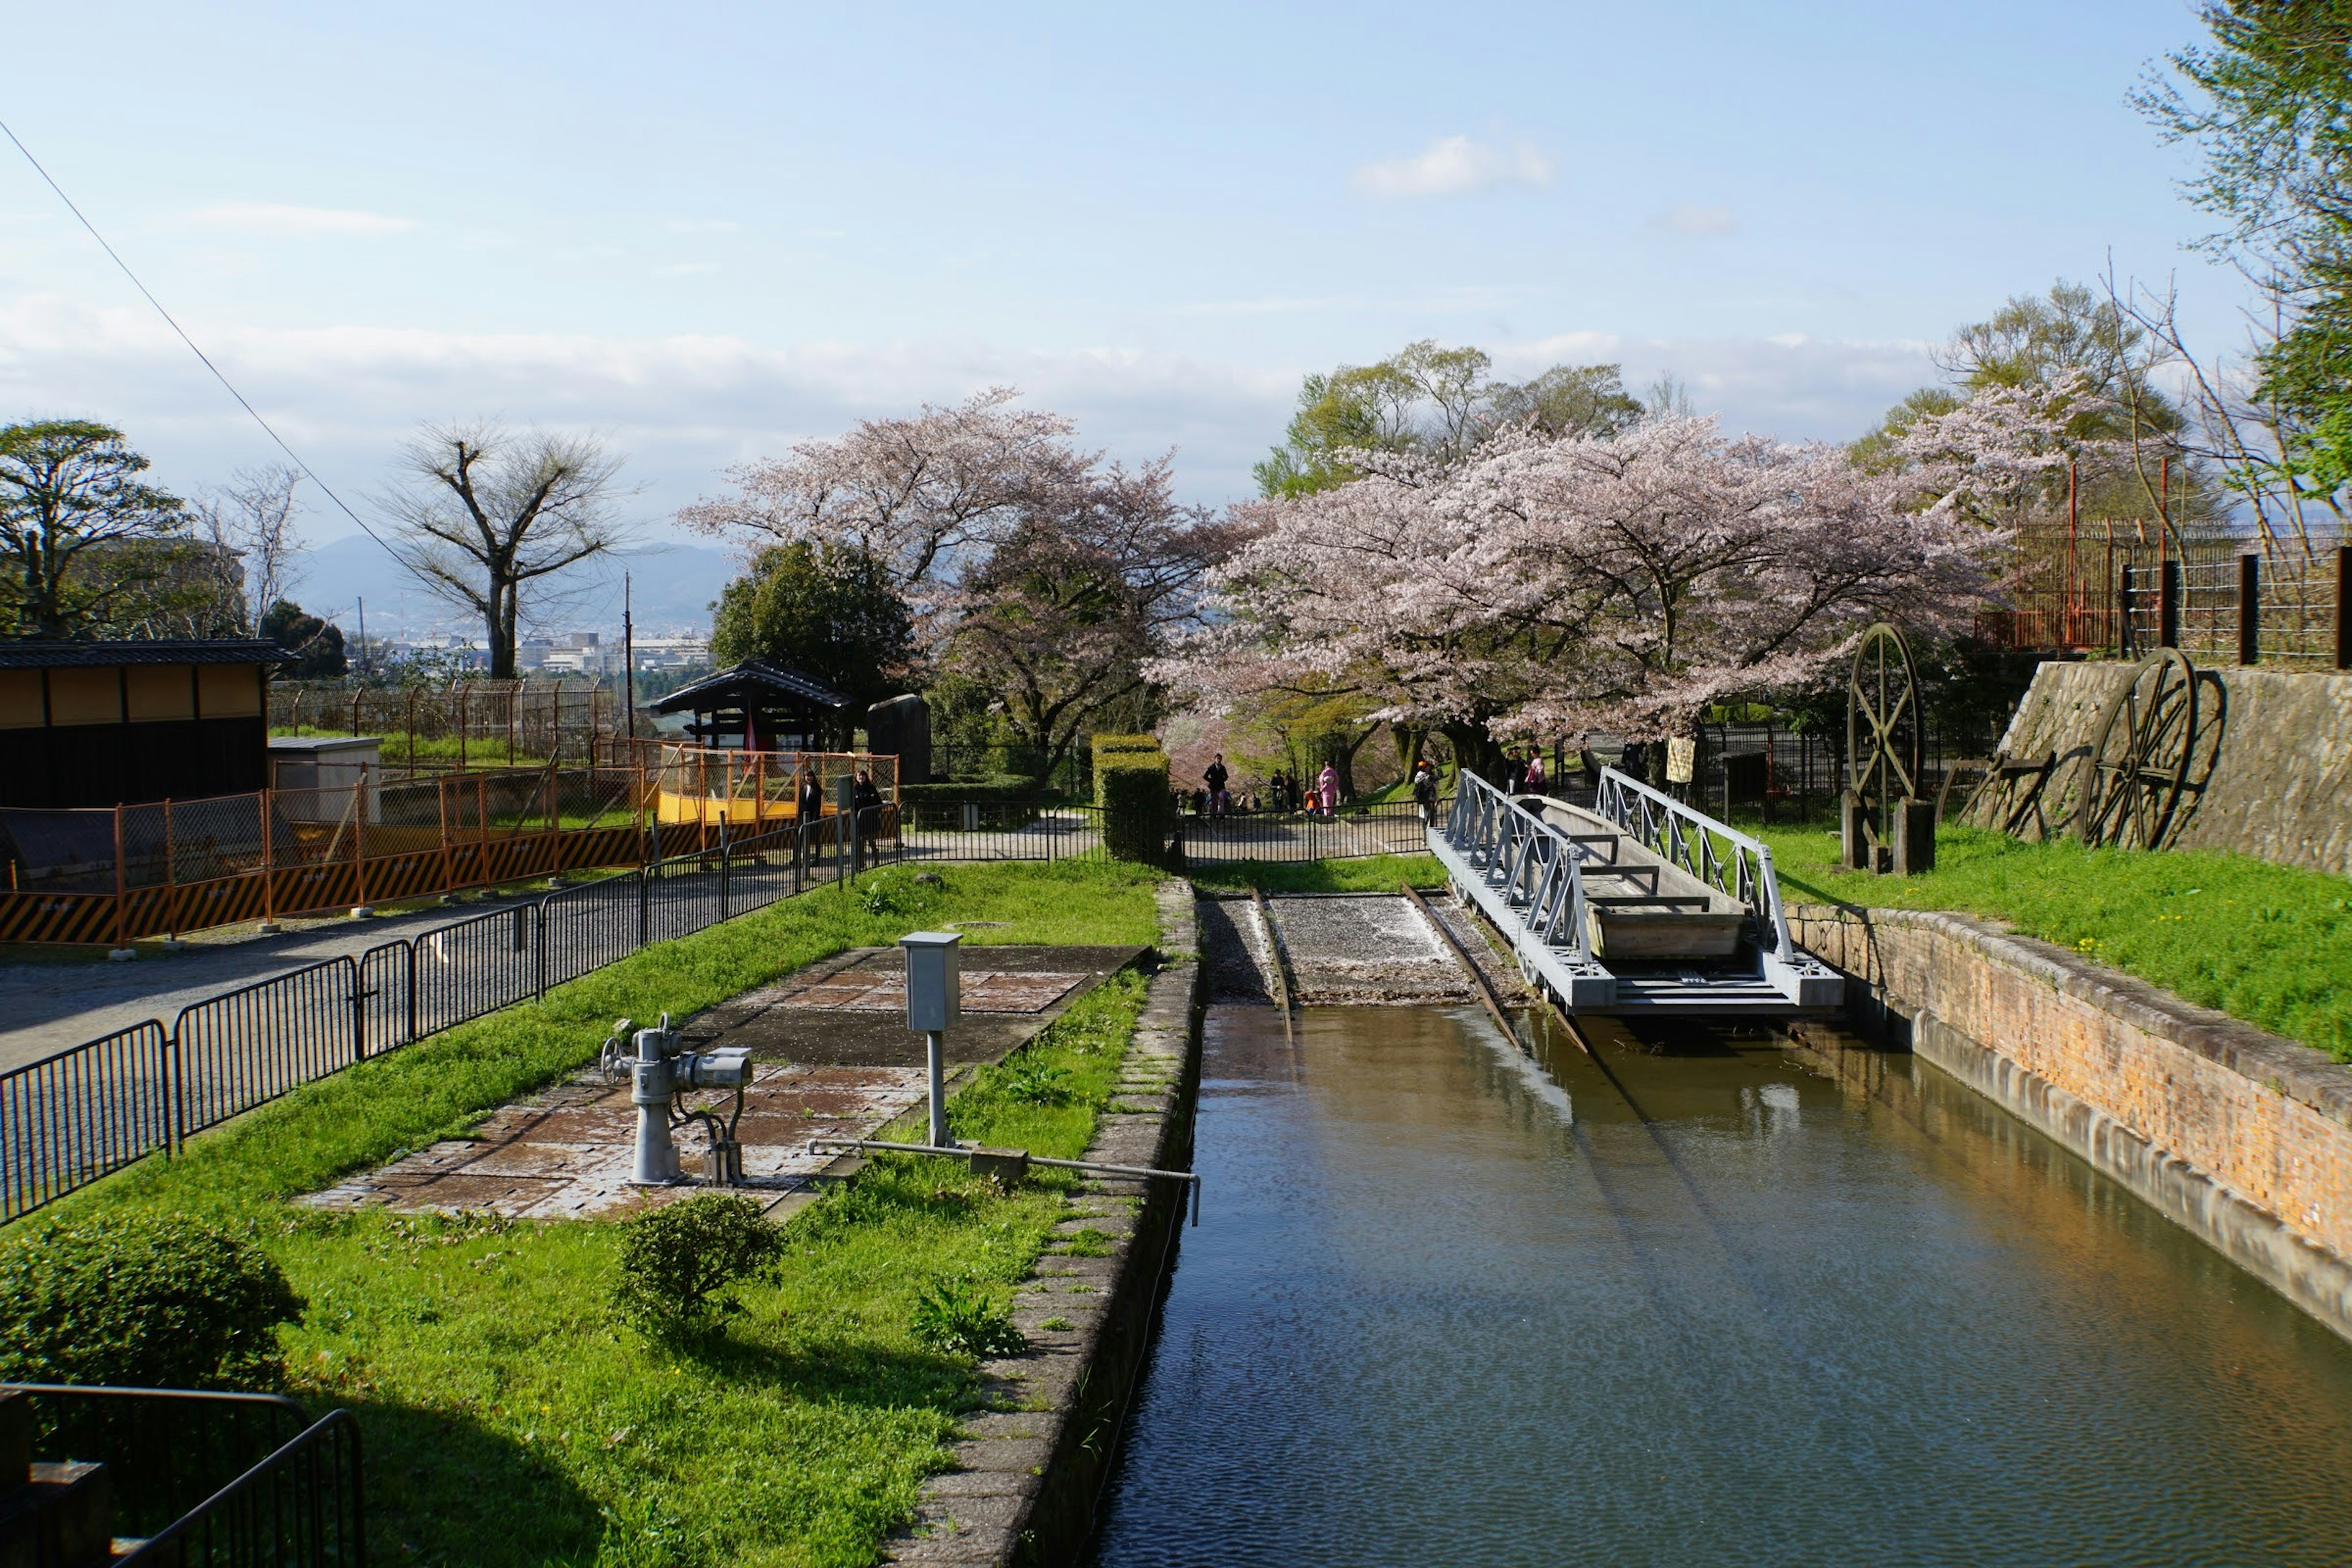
point(918, 494)
point(1061, 617)
point(1552, 586)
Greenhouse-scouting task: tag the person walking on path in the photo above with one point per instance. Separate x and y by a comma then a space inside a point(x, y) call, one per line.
point(869, 806)
point(1216, 777)
point(1327, 785)
point(1424, 789)
point(1532, 780)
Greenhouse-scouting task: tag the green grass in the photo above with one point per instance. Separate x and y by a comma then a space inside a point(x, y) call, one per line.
point(2269, 944)
point(509, 1417)
point(480, 750)
point(1368, 874)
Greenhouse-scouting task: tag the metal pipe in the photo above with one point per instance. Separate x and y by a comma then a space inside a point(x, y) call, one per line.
point(1092, 1167)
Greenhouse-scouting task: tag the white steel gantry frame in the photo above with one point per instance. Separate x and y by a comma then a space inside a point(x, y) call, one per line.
point(1526, 875)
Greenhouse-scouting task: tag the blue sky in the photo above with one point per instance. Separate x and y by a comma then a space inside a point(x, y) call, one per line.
point(707, 231)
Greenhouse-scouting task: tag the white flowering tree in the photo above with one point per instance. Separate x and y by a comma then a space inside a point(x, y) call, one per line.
point(1550, 587)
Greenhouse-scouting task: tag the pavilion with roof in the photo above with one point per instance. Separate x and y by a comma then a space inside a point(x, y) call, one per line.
point(762, 707)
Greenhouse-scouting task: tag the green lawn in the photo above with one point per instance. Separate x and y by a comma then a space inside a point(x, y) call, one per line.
point(1367, 874)
point(2269, 945)
point(509, 1417)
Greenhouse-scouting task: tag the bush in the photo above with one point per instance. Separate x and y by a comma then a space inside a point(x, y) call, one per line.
point(681, 1262)
point(143, 1301)
point(1131, 788)
point(961, 1318)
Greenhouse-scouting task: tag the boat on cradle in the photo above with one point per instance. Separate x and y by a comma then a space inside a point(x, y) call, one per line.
point(1638, 905)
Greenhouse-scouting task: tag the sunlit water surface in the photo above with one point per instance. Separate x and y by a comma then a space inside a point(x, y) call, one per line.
point(1453, 1305)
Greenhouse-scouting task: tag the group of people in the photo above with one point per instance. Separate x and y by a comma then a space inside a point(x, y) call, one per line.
point(1318, 797)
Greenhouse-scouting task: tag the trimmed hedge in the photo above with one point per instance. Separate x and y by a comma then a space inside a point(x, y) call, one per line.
point(1110, 745)
point(1131, 786)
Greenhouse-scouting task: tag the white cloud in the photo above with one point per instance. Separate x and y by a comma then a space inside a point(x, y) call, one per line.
point(1690, 219)
point(1451, 166)
point(689, 269)
point(682, 408)
point(272, 217)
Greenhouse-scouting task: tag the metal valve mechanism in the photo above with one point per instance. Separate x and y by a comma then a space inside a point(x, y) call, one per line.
point(660, 1072)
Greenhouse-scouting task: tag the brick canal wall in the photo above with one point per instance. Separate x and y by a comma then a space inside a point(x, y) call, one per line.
point(2242, 1137)
point(2270, 773)
point(1029, 1471)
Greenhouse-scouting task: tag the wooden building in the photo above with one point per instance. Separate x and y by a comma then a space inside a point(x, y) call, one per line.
point(763, 708)
point(101, 723)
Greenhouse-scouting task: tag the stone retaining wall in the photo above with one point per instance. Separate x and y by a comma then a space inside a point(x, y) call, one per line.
point(2243, 1137)
point(2270, 774)
point(1028, 1472)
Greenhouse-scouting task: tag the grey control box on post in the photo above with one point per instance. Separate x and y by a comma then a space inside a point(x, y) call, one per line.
point(934, 1006)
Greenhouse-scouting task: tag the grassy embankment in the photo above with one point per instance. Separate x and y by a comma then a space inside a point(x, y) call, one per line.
point(509, 1417)
point(480, 750)
point(2269, 944)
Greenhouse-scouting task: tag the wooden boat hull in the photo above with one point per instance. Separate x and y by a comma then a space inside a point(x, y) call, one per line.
point(1638, 904)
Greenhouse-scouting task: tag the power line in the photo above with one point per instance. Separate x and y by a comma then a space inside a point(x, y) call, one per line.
point(170, 321)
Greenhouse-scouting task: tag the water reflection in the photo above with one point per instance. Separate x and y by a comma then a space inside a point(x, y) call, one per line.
point(1695, 1302)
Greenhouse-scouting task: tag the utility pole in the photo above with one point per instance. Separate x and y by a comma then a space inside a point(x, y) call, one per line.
point(363, 637)
point(629, 662)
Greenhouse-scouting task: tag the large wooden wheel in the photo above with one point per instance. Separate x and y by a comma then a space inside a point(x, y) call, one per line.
point(1883, 739)
point(2131, 782)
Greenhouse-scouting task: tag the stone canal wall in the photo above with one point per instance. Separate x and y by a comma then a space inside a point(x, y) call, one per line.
point(2269, 770)
point(2241, 1136)
point(1028, 1471)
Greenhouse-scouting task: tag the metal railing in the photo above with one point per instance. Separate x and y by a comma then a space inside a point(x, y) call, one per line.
point(1389, 828)
point(1723, 857)
point(1533, 865)
point(216, 1480)
point(1001, 830)
point(69, 1119)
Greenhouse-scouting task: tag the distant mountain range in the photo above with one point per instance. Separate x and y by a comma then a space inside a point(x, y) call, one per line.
point(671, 588)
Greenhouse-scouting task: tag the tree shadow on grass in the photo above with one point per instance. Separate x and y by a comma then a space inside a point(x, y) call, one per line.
point(832, 1371)
point(443, 1491)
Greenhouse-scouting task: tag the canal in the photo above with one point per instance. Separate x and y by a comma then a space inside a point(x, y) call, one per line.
point(1455, 1303)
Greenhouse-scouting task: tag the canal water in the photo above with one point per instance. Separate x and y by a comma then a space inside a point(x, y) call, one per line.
point(1452, 1302)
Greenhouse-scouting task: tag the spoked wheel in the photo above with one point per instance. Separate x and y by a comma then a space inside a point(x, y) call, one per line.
point(1882, 728)
point(2132, 780)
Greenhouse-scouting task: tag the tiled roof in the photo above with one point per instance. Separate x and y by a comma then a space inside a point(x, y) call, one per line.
point(169, 650)
point(772, 683)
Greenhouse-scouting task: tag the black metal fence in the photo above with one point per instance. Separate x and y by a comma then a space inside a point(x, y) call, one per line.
point(1390, 828)
point(67, 1120)
point(223, 1480)
point(1001, 830)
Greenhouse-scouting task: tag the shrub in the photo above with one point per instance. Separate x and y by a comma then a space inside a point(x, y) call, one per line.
point(144, 1301)
point(1131, 788)
point(681, 1262)
point(961, 1318)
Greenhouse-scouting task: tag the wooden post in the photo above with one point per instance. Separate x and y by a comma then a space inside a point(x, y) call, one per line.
point(461, 726)
point(269, 861)
point(2070, 632)
point(2343, 606)
point(2167, 604)
point(119, 944)
point(2250, 608)
point(171, 873)
point(359, 841)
